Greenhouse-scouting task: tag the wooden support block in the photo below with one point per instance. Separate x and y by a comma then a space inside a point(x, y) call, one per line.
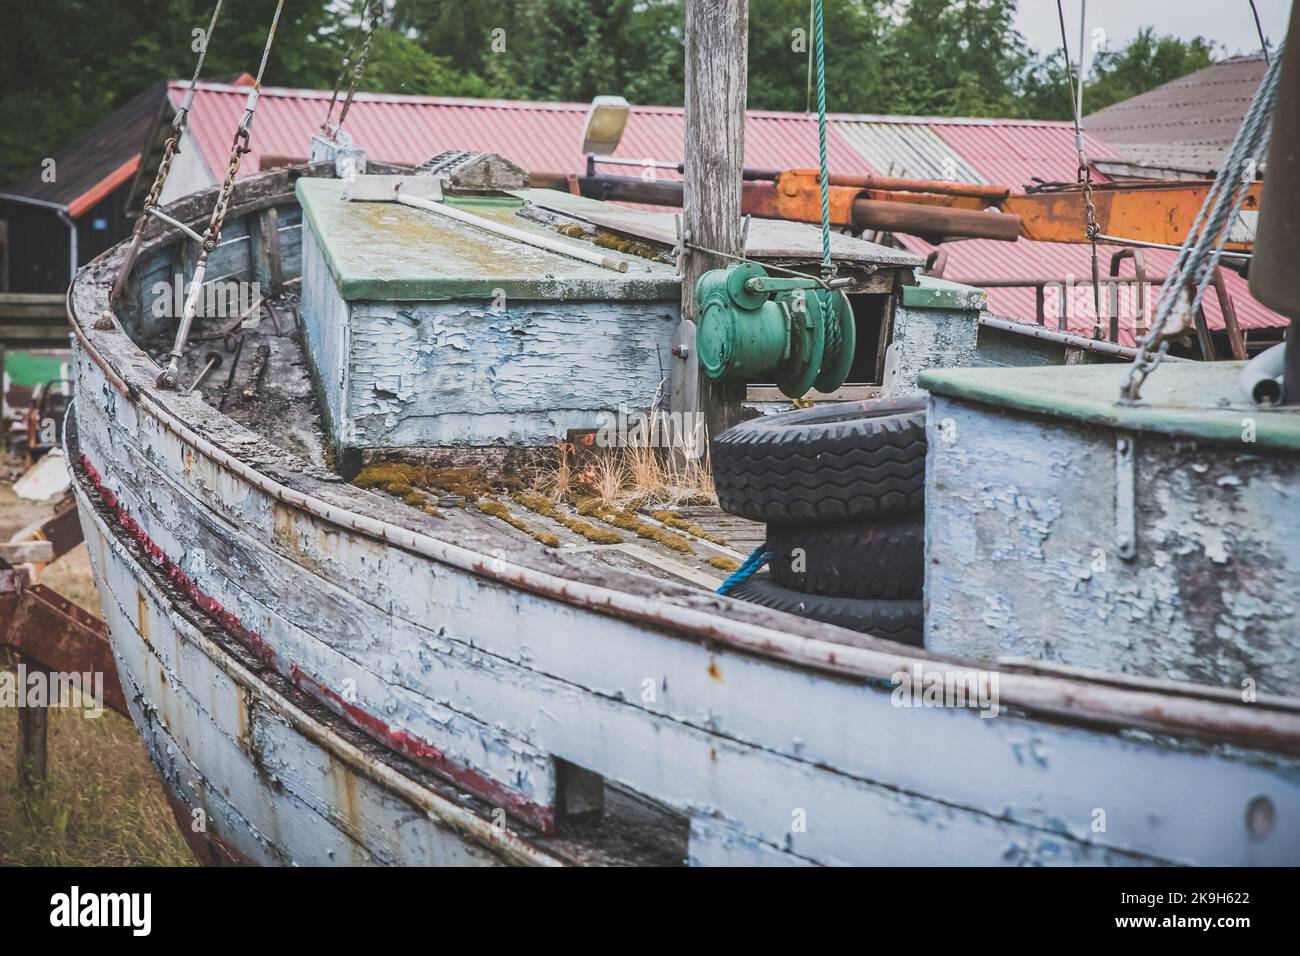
point(23, 552)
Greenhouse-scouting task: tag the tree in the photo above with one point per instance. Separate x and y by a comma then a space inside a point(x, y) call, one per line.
point(953, 58)
point(398, 64)
point(781, 43)
point(577, 49)
point(455, 29)
point(64, 64)
point(1147, 62)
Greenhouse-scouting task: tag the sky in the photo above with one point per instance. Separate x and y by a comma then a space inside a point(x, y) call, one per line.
point(1228, 21)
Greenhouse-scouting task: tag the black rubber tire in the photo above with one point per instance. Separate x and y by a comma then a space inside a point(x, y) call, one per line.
point(841, 462)
point(859, 559)
point(900, 621)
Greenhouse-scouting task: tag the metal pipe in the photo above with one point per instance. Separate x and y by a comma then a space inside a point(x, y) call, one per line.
point(159, 214)
point(757, 199)
point(943, 187)
point(72, 243)
point(918, 219)
point(519, 235)
point(1262, 378)
point(1068, 339)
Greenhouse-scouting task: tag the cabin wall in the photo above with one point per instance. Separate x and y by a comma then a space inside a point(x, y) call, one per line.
point(1022, 550)
point(936, 325)
point(324, 318)
point(418, 374)
point(464, 373)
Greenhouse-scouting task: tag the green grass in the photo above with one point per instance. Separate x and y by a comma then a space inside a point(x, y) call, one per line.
point(102, 805)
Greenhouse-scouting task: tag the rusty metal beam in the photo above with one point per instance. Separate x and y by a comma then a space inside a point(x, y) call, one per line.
point(54, 633)
point(796, 197)
point(1143, 212)
point(1146, 212)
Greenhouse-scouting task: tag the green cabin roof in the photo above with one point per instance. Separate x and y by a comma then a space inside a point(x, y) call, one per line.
point(1201, 400)
point(384, 251)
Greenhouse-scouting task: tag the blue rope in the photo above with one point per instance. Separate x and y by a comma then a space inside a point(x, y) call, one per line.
point(748, 568)
point(821, 137)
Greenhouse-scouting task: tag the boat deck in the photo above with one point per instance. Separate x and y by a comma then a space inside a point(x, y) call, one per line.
point(264, 383)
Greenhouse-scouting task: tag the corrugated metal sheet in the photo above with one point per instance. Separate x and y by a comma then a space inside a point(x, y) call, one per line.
point(909, 150)
point(1011, 154)
point(539, 136)
point(987, 258)
point(546, 136)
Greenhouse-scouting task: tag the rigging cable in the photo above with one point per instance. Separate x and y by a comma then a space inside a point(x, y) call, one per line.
point(167, 378)
point(1259, 28)
point(1091, 231)
point(170, 149)
point(831, 316)
point(824, 166)
point(1194, 267)
point(359, 70)
point(343, 69)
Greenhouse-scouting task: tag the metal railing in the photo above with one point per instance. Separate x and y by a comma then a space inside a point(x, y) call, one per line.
point(1107, 327)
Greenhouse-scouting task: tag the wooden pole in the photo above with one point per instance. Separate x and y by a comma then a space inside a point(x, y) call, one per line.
point(33, 745)
point(717, 48)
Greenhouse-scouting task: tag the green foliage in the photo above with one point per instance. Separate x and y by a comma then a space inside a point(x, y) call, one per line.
point(953, 58)
point(780, 39)
point(397, 64)
point(577, 49)
point(1147, 62)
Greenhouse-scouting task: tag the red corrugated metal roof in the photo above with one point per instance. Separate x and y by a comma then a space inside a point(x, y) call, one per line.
point(1012, 154)
point(545, 136)
point(538, 136)
point(1023, 259)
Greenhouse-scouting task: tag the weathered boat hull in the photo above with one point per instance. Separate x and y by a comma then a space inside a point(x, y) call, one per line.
point(330, 681)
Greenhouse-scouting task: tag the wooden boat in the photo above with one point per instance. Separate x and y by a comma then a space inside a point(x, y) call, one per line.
point(325, 675)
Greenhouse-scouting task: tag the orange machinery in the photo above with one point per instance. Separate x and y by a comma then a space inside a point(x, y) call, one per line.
point(1146, 212)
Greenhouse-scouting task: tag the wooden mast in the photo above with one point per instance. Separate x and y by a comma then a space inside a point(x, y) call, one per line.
point(717, 47)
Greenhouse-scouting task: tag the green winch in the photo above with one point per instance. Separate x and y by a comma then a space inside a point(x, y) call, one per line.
point(792, 331)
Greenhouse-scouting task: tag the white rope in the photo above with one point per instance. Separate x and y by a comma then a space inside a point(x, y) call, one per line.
point(1203, 248)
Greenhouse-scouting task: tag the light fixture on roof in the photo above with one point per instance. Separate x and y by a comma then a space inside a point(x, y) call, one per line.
point(606, 120)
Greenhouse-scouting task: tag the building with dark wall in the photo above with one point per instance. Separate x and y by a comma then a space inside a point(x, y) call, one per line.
point(54, 226)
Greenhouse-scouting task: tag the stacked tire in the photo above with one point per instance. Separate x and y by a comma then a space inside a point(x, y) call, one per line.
point(841, 488)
